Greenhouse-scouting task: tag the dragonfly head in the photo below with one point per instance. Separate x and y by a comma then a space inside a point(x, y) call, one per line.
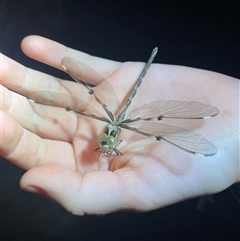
point(108, 141)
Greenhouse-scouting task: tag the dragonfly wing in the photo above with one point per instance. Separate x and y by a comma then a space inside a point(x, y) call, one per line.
point(173, 109)
point(103, 91)
point(65, 101)
point(180, 137)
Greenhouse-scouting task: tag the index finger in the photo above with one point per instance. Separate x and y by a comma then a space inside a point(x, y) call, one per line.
point(51, 53)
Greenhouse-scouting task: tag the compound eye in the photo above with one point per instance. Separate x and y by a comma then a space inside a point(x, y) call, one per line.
point(104, 147)
point(104, 143)
point(102, 138)
point(111, 142)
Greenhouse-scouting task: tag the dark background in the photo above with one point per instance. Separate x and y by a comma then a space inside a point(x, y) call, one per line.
point(201, 34)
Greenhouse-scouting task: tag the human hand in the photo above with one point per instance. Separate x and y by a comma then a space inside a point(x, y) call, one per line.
point(56, 147)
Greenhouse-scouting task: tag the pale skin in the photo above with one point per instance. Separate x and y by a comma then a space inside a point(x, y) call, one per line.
point(56, 147)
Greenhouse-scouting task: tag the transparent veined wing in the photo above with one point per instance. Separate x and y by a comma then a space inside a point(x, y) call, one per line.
point(69, 103)
point(103, 92)
point(180, 137)
point(173, 109)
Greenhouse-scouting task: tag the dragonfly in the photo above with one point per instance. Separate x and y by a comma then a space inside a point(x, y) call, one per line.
point(145, 120)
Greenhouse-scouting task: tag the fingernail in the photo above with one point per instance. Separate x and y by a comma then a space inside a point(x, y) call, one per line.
point(33, 189)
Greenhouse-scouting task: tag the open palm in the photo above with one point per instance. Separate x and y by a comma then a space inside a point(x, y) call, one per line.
point(57, 147)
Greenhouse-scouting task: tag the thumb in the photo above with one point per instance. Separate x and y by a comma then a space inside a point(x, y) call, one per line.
point(93, 193)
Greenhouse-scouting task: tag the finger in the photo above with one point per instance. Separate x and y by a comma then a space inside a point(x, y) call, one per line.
point(45, 121)
point(51, 53)
point(27, 150)
point(25, 81)
point(20, 79)
point(94, 193)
